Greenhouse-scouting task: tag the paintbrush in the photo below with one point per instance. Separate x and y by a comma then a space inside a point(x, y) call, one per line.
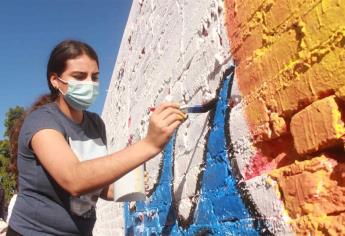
point(202, 108)
point(205, 107)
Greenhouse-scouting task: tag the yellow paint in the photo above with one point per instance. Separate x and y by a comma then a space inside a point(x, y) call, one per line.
point(278, 125)
point(309, 192)
point(341, 94)
point(320, 225)
point(290, 54)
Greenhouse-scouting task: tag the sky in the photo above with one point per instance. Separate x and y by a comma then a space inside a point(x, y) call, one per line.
point(29, 30)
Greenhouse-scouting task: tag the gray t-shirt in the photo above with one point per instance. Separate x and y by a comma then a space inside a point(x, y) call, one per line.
point(42, 206)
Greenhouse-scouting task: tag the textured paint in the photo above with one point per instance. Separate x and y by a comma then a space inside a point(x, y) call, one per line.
point(220, 209)
point(341, 93)
point(171, 51)
point(288, 54)
point(289, 58)
point(318, 126)
point(246, 168)
point(314, 195)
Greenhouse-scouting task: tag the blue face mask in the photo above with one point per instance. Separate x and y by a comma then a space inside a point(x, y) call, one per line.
point(80, 94)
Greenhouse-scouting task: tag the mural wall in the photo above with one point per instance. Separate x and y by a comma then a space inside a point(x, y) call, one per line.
point(268, 159)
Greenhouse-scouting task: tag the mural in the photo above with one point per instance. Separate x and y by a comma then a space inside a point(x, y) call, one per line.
point(219, 208)
point(269, 158)
point(289, 63)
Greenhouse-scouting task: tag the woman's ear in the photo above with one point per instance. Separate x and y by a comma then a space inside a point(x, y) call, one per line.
point(54, 80)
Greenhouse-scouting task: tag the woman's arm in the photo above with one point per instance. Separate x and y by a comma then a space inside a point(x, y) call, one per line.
point(78, 178)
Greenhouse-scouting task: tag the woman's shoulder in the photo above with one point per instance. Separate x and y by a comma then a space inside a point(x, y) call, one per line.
point(44, 112)
point(43, 117)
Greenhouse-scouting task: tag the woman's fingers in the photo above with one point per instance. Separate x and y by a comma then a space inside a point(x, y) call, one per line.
point(169, 111)
point(174, 125)
point(172, 118)
point(163, 121)
point(166, 105)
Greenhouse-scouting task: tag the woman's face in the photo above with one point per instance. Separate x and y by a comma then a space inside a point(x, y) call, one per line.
point(82, 68)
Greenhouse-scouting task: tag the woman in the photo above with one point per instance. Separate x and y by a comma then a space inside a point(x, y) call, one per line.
point(63, 166)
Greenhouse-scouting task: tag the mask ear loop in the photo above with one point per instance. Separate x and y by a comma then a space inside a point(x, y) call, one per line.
point(63, 81)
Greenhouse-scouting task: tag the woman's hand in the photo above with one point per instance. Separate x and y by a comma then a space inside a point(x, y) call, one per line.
point(163, 122)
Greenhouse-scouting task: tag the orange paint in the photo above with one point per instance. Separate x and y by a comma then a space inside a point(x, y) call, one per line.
point(290, 57)
point(313, 189)
point(318, 126)
point(288, 54)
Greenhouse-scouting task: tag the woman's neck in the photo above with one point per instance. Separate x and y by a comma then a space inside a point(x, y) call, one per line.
point(75, 115)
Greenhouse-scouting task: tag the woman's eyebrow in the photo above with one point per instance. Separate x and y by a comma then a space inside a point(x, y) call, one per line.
point(83, 73)
point(79, 73)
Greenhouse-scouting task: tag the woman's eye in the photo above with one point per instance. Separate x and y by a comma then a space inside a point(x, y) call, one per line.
point(95, 79)
point(78, 77)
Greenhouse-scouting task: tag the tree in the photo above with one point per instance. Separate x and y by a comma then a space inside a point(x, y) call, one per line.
point(5, 148)
point(11, 117)
point(8, 179)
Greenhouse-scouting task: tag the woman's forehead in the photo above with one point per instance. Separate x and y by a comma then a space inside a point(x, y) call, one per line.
point(82, 63)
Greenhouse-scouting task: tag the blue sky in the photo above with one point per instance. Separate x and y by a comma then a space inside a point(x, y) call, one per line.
point(30, 29)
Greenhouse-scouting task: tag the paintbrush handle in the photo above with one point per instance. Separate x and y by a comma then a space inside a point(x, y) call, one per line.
point(195, 108)
point(182, 108)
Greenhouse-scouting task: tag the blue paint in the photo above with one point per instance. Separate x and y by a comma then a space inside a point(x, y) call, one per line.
point(224, 204)
point(220, 210)
point(157, 210)
point(213, 178)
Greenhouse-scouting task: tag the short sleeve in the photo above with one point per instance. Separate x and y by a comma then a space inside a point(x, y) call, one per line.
point(98, 125)
point(104, 133)
point(36, 121)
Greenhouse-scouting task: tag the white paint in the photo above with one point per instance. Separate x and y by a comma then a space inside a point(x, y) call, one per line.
point(171, 51)
point(110, 220)
point(261, 190)
point(240, 138)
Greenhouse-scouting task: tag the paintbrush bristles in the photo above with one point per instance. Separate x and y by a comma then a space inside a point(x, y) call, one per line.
point(199, 108)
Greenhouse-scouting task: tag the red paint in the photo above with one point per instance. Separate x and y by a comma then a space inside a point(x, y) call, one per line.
point(271, 155)
point(130, 140)
point(129, 121)
point(257, 166)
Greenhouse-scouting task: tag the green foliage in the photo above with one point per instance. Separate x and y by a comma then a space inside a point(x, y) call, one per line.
point(7, 179)
point(4, 148)
point(11, 116)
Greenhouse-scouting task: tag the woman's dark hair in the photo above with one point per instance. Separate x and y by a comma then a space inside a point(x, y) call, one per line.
point(13, 140)
point(65, 50)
